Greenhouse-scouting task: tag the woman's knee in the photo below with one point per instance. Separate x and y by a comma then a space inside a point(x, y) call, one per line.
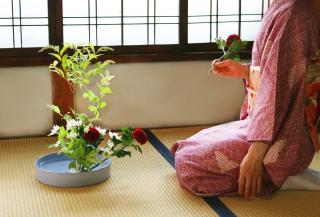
point(198, 180)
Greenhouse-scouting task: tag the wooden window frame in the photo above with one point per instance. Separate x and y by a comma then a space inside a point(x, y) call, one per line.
point(136, 53)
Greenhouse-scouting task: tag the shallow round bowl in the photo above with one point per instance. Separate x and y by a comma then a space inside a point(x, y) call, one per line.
point(52, 169)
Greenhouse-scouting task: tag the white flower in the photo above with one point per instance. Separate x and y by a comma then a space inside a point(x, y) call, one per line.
point(57, 144)
point(73, 123)
point(107, 152)
point(54, 130)
point(116, 135)
point(101, 131)
point(110, 144)
point(101, 148)
point(86, 129)
point(72, 135)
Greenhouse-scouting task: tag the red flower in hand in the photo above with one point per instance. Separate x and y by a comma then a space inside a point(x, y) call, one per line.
point(92, 135)
point(232, 38)
point(140, 136)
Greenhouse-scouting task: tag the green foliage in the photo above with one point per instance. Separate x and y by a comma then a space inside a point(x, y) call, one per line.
point(232, 51)
point(54, 109)
point(122, 146)
point(72, 62)
point(221, 43)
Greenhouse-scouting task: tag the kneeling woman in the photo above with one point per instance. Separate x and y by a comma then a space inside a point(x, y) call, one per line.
point(272, 141)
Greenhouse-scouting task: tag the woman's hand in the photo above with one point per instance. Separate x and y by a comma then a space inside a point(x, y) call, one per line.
point(251, 170)
point(230, 68)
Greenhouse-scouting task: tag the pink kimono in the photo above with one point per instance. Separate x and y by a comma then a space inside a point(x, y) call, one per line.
point(208, 162)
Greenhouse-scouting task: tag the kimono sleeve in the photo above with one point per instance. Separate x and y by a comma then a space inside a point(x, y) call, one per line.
point(283, 69)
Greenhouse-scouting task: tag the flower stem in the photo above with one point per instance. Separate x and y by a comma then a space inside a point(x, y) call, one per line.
point(95, 166)
point(225, 53)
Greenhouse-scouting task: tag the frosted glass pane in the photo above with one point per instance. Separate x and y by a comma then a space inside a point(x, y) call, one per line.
point(226, 29)
point(214, 7)
point(16, 8)
point(109, 35)
point(194, 8)
point(93, 35)
point(16, 21)
point(151, 20)
point(17, 38)
point(250, 17)
point(75, 8)
point(266, 5)
point(167, 7)
point(92, 20)
point(5, 9)
point(214, 32)
point(34, 8)
point(6, 40)
point(135, 8)
point(76, 34)
point(167, 20)
point(249, 30)
point(109, 7)
point(35, 21)
point(151, 34)
point(75, 21)
point(151, 7)
point(135, 20)
point(228, 7)
point(92, 8)
point(35, 36)
point(5, 22)
point(251, 7)
point(167, 34)
point(135, 34)
point(199, 19)
point(228, 18)
point(109, 20)
point(199, 33)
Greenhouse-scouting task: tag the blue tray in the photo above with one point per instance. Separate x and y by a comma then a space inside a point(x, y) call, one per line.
point(52, 169)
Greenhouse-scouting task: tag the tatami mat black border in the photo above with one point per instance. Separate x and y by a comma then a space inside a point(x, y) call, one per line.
point(161, 148)
point(213, 202)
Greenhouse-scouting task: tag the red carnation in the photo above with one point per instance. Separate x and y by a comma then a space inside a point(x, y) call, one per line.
point(140, 136)
point(92, 135)
point(232, 38)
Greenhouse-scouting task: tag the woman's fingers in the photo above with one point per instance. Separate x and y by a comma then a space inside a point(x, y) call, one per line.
point(254, 188)
point(213, 67)
point(259, 183)
point(222, 64)
point(248, 187)
point(241, 183)
point(214, 62)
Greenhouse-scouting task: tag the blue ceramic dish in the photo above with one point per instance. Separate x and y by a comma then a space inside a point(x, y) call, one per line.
point(52, 169)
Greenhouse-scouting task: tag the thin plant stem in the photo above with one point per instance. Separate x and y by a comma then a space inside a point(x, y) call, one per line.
point(95, 166)
point(225, 53)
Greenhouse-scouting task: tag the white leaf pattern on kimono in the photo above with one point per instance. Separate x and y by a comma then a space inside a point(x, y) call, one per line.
point(273, 153)
point(266, 50)
point(224, 163)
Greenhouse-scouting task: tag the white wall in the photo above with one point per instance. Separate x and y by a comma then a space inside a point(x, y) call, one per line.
point(144, 95)
point(24, 94)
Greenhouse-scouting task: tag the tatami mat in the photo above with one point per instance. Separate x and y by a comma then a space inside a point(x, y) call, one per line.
point(280, 204)
point(144, 185)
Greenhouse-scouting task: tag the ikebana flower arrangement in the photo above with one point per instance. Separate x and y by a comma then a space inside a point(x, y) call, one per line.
point(81, 139)
point(230, 47)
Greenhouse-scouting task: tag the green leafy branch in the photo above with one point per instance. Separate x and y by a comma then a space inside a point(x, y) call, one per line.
point(72, 63)
point(230, 52)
